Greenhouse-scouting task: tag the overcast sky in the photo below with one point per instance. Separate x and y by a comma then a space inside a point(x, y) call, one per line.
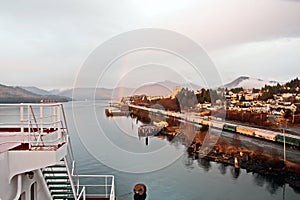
point(44, 43)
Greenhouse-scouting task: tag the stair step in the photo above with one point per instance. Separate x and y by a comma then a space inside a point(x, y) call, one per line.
point(58, 165)
point(62, 192)
point(49, 182)
point(65, 187)
point(55, 172)
point(56, 177)
point(63, 197)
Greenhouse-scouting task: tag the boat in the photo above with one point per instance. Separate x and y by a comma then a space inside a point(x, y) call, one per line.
point(37, 160)
point(148, 130)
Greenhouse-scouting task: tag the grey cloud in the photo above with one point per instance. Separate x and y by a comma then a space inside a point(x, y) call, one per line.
point(53, 36)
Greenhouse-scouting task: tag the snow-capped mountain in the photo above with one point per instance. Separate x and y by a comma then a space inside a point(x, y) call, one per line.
point(249, 83)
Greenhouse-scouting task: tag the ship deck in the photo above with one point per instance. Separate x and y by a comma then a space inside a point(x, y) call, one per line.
point(10, 140)
point(15, 138)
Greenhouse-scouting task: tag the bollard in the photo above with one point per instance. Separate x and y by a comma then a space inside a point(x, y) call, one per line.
point(139, 192)
point(236, 162)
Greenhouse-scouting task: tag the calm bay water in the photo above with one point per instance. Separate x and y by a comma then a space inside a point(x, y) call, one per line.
point(111, 146)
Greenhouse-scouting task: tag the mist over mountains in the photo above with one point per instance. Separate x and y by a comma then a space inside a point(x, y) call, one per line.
point(37, 91)
point(152, 89)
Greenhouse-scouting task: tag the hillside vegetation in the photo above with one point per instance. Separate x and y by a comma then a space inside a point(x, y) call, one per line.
point(10, 94)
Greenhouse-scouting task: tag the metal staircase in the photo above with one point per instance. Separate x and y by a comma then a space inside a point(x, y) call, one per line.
point(58, 181)
point(64, 182)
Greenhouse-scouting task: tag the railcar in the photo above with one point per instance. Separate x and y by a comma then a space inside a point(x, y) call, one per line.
point(268, 135)
point(245, 131)
point(288, 140)
point(229, 127)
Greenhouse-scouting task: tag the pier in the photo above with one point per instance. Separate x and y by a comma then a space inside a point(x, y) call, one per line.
point(114, 113)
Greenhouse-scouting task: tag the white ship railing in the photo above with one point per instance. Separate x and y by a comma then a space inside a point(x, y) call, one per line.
point(38, 125)
point(45, 125)
point(88, 186)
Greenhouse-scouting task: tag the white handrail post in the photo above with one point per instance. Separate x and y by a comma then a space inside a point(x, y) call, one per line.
point(58, 121)
point(70, 178)
point(73, 167)
point(22, 118)
point(84, 194)
point(53, 117)
point(78, 185)
point(41, 119)
point(112, 190)
point(28, 126)
point(106, 186)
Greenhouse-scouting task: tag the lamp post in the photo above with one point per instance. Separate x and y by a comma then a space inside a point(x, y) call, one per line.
point(284, 152)
point(283, 131)
point(283, 192)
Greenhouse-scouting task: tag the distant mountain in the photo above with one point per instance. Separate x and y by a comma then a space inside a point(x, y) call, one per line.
point(11, 91)
point(10, 94)
point(57, 91)
point(87, 93)
point(249, 83)
point(36, 90)
point(163, 88)
point(154, 89)
point(171, 85)
point(94, 93)
point(34, 94)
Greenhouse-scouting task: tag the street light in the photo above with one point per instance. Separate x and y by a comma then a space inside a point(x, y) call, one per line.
point(284, 152)
point(283, 131)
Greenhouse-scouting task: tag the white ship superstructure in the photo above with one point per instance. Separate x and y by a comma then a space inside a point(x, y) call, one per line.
point(36, 157)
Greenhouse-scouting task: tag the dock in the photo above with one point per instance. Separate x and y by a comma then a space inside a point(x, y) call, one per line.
point(114, 113)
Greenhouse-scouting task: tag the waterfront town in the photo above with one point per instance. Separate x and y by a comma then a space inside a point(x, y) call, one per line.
point(259, 114)
point(150, 100)
point(252, 106)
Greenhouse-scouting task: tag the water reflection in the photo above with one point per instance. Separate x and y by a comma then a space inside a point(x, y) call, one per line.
point(259, 180)
point(204, 164)
point(189, 162)
point(272, 183)
point(222, 168)
point(147, 141)
point(235, 172)
point(230, 151)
